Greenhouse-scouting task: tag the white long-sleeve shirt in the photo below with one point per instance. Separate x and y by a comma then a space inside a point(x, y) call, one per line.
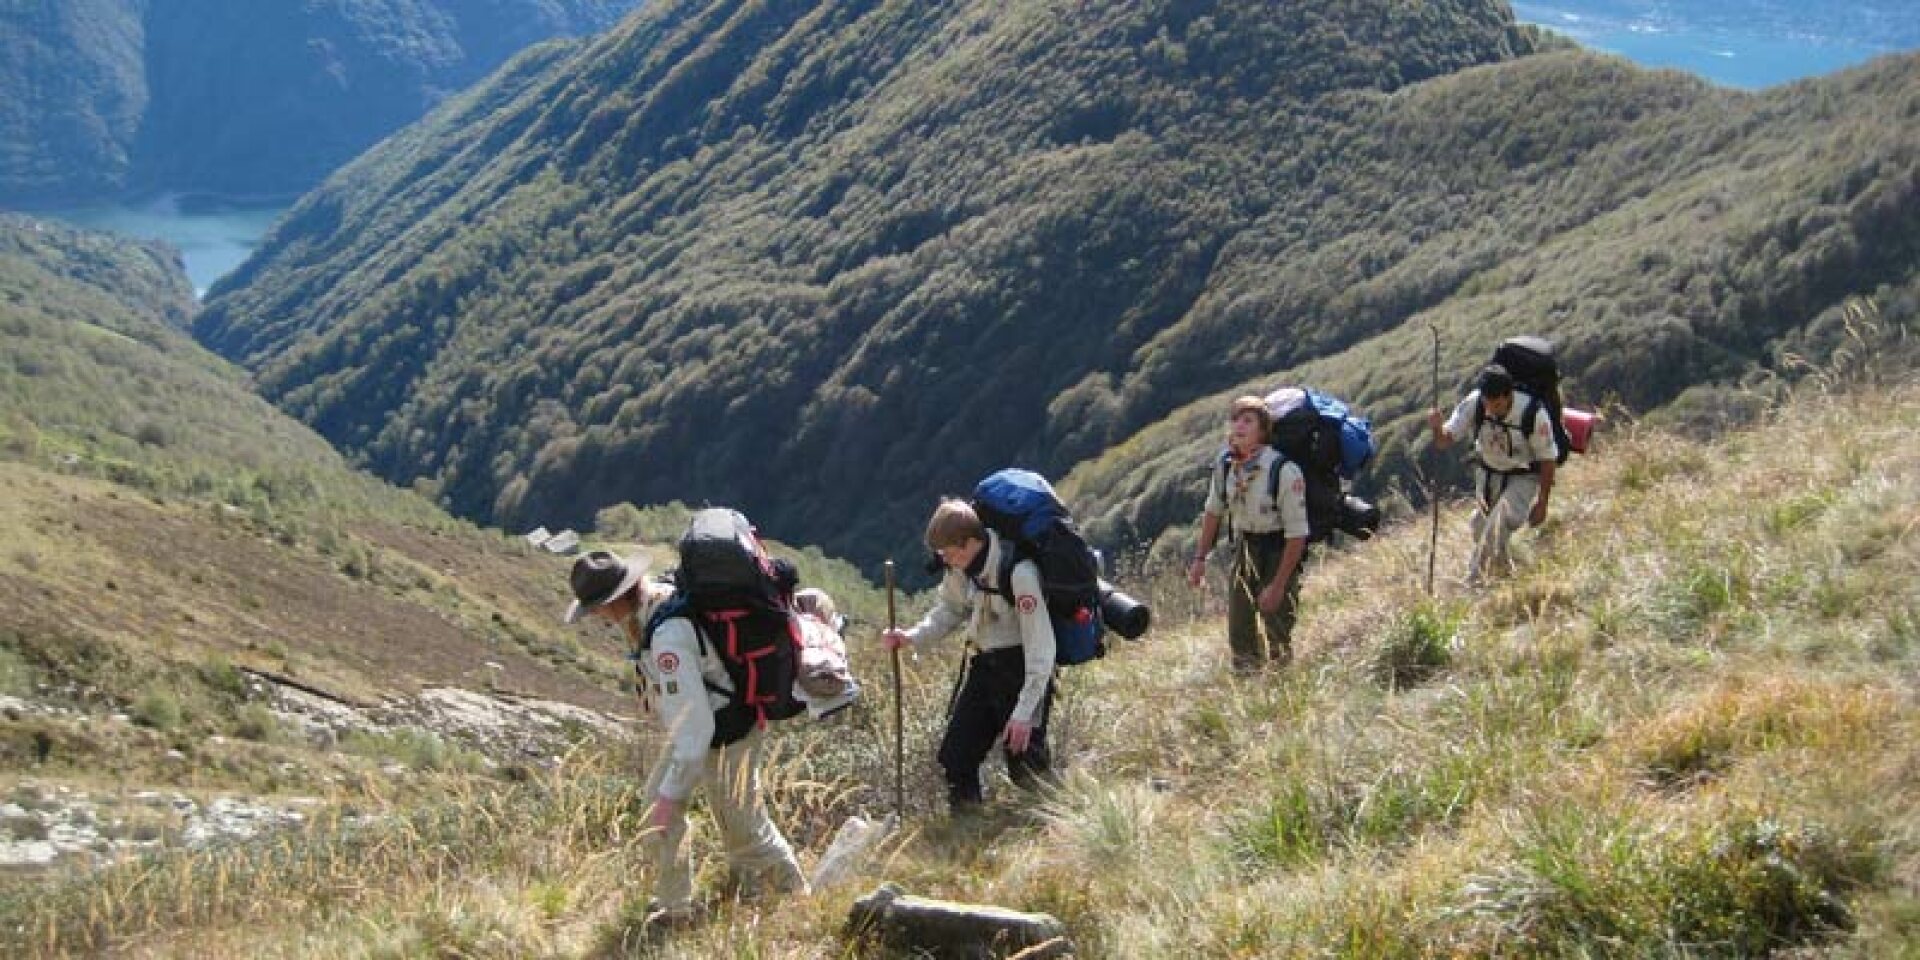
point(677, 675)
point(997, 624)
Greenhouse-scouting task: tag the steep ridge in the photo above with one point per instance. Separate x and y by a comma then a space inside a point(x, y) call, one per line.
point(824, 260)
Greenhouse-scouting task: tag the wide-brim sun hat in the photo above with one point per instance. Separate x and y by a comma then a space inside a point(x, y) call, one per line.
point(599, 576)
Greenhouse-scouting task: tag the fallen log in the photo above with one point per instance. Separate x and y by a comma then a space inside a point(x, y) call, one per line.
point(956, 931)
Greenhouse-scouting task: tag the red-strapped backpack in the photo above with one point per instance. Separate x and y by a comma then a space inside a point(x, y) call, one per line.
point(740, 603)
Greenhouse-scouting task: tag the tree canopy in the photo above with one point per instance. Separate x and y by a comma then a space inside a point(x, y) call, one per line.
point(826, 261)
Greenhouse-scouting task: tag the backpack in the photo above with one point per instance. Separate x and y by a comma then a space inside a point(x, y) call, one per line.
point(738, 600)
point(1330, 444)
point(1529, 360)
point(1022, 508)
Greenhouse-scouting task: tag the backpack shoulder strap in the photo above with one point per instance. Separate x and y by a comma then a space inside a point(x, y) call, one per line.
point(1224, 464)
point(1009, 556)
point(1527, 416)
point(674, 606)
point(1273, 478)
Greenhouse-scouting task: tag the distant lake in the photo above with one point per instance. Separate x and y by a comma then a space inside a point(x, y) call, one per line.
point(212, 239)
point(1709, 37)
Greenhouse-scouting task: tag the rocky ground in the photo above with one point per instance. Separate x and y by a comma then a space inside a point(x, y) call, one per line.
point(46, 825)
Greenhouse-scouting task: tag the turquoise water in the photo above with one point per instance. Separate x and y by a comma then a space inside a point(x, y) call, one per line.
point(212, 241)
point(1776, 45)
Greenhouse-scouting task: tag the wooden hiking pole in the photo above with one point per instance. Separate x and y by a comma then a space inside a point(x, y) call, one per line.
point(1433, 482)
point(899, 715)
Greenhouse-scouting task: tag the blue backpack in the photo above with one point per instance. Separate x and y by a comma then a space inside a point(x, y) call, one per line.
point(1022, 508)
point(1330, 444)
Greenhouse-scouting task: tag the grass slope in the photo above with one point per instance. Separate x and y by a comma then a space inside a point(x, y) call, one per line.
point(1684, 730)
point(165, 532)
point(164, 527)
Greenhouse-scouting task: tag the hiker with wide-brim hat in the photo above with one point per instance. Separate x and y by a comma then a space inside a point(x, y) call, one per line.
point(682, 683)
point(599, 578)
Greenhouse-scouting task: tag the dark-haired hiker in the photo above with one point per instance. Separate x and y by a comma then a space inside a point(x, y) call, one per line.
point(1009, 681)
point(1513, 478)
point(684, 683)
point(1266, 516)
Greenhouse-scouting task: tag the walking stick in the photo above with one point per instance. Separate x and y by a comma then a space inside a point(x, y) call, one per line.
point(899, 736)
point(1433, 486)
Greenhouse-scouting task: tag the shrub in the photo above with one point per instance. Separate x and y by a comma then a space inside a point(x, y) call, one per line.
point(1419, 646)
point(158, 708)
point(257, 723)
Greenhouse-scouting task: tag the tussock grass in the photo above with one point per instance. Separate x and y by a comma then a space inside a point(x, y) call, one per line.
point(1684, 729)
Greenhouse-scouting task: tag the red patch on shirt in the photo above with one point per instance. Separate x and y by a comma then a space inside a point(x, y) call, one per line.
point(1027, 603)
point(1299, 486)
point(669, 662)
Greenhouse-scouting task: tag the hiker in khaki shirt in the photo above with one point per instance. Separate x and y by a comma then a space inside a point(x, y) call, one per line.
point(1513, 479)
point(1266, 517)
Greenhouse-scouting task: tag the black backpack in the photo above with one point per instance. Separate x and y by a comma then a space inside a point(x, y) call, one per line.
point(1330, 444)
point(1031, 520)
point(1529, 360)
point(739, 601)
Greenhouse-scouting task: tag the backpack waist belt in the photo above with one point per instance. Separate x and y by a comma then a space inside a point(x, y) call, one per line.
point(1515, 472)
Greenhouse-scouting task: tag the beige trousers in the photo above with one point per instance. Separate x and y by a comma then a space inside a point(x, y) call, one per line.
point(756, 850)
point(1504, 503)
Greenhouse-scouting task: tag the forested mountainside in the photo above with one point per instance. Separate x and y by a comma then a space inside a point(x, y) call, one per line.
point(826, 260)
point(236, 98)
point(160, 519)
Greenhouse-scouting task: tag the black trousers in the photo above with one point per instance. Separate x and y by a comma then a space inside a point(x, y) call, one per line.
point(980, 712)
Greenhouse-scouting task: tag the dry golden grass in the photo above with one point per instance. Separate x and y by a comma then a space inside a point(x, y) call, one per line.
point(1685, 728)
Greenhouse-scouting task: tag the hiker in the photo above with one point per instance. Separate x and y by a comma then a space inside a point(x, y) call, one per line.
point(1266, 520)
point(1514, 476)
point(1008, 688)
point(684, 683)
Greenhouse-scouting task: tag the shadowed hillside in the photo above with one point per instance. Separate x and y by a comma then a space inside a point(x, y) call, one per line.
point(856, 254)
point(159, 517)
point(803, 234)
point(233, 98)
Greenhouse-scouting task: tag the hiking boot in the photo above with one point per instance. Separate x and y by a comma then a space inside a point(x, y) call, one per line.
point(773, 881)
point(664, 922)
point(966, 809)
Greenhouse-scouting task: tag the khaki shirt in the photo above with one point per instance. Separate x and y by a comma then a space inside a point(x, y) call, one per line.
point(1240, 493)
point(997, 624)
point(1501, 444)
